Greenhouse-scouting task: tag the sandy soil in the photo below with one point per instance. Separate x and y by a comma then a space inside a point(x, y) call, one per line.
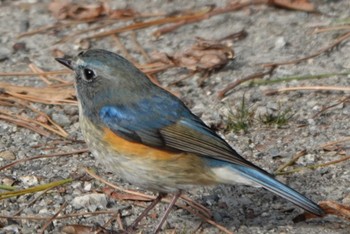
point(274, 35)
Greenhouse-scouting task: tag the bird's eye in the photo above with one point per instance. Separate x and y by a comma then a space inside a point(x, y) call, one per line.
point(89, 74)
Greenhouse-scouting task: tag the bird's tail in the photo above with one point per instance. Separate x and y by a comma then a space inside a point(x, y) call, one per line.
point(251, 176)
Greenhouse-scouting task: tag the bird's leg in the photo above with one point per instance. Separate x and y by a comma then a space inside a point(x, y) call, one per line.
point(145, 212)
point(167, 211)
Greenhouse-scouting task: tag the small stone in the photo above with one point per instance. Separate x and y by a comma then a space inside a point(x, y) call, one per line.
point(24, 25)
point(280, 42)
point(70, 110)
point(76, 185)
point(7, 155)
point(4, 53)
point(87, 186)
point(61, 119)
point(44, 211)
point(90, 201)
point(3, 222)
point(217, 217)
point(8, 181)
point(311, 122)
point(13, 228)
point(19, 46)
point(309, 158)
point(29, 180)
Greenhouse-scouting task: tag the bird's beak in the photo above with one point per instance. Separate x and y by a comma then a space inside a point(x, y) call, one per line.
point(66, 62)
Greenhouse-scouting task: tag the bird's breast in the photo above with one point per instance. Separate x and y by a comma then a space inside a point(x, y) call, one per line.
point(145, 166)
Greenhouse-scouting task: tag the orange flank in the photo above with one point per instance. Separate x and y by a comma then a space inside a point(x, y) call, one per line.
point(126, 147)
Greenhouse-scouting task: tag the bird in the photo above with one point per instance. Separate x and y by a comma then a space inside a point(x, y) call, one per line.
point(149, 138)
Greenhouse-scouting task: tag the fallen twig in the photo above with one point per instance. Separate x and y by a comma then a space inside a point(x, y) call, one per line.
point(23, 122)
point(54, 94)
point(331, 28)
point(343, 100)
point(67, 216)
point(45, 73)
point(318, 88)
point(314, 166)
point(234, 84)
point(336, 42)
point(146, 24)
point(331, 143)
point(292, 161)
point(54, 127)
point(330, 208)
point(44, 156)
point(48, 222)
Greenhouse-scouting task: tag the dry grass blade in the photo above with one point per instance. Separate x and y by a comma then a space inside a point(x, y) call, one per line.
point(116, 218)
point(314, 166)
point(32, 202)
point(335, 43)
point(43, 156)
point(203, 55)
point(45, 77)
point(331, 143)
point(317, 88)
point(39, 30)
point(85, 229)
point(331, 28)
point(340, 210)
point(35, 69)
point(123, 196)
point(46, 122)
point(292, 161)
point(23, 122)
point(330, 208)
point(197, 206)
point(231, 6)
point(67, 216)
point(141, 25)
point(325, 108)
point(92, 174)
point(234, 84)
point(139, 48)
point(34, 189)
point(47, 73)
point(154, 67)
point(55, 94)
point(123, 49)
point(301, 5)
point(208, 220)
point(53, 217)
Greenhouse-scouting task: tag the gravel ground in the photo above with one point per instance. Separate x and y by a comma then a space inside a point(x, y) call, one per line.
point(273, 35)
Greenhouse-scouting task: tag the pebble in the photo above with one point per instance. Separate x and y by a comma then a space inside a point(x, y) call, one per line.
point(61, 119)
point(280, 43)
point(18, 46)
point(4, 53)
point(7, 155)
point(29, 180)
point(8, 181)
point(70, 110)
point(91, 201)
point(87, 186)
point(11, 229)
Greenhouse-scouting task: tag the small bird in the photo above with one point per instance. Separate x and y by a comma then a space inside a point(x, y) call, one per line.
point(148, 137)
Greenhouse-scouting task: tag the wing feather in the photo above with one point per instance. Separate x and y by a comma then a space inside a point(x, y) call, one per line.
point(165, 122)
